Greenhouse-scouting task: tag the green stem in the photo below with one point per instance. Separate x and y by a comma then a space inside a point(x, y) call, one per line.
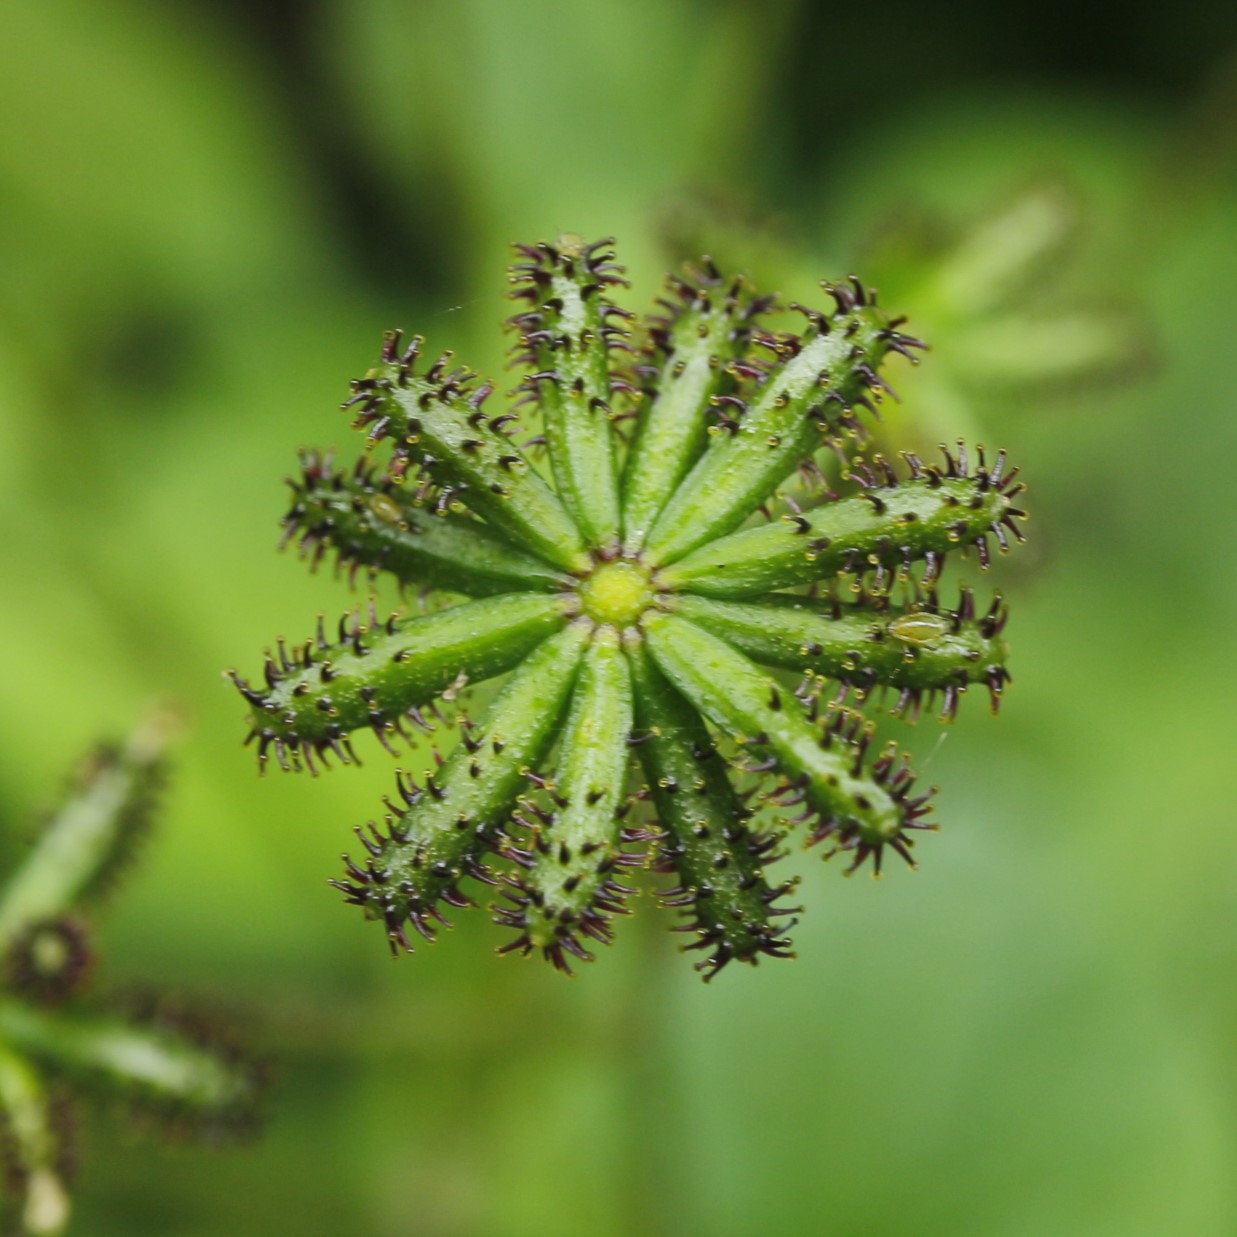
point(34, 1146)
point(378, 677)
point(888, 527)
point(861, 808)
point(699, 340)
point(917, 649)
point(377, 525)
point(459, 815)
point(718, 859)
point(810, 393)
point(152, 1063)
point(574, 850)
point(565, 338)
point(438, 422)
point(88, 836)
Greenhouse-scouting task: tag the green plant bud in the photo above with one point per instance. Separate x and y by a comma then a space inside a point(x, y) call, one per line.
point(437, 421)
point(1013, 325)
point(919, 650)
point(1005, 253)
point(705, 839)
point(380, 675)
point(566, 328)
point(860, 807)
point(1031, 355)
point(448, 825)
point(374, 524)
point(889, 526)
point(46, 1027)
point(185, 1077)
point(807, 395)
point(90, 837)
point(569, 886)
point(35, 1198)
point(706, 327)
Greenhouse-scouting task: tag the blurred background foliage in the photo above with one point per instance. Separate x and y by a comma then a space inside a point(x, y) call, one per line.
point(209, 212)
